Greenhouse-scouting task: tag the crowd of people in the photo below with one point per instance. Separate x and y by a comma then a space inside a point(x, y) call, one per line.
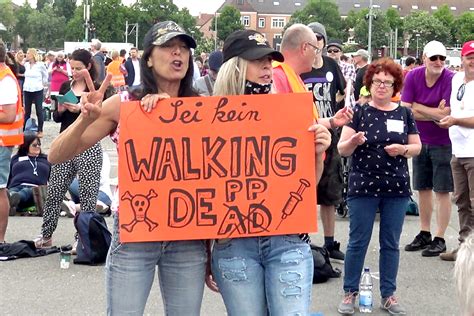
point(389, 115)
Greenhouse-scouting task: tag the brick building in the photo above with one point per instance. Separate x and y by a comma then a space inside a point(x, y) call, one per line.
point(270, 16)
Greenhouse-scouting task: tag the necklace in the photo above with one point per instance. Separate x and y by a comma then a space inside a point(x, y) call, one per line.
point(35, 166)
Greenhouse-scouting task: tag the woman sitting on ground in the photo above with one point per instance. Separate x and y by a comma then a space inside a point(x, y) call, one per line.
point(29, 168)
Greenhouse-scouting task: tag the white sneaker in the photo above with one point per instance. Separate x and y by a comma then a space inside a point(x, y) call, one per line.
point(69, 208)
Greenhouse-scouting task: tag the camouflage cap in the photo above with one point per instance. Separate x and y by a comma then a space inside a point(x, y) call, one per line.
point(165, 31)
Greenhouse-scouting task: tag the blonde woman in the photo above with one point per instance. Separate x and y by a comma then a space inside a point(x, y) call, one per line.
point(36, 77)
point(258, 275)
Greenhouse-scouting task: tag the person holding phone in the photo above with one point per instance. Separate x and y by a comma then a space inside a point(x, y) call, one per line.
point(86, 165)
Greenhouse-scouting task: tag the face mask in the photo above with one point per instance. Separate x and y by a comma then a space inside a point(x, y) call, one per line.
point(257, 88)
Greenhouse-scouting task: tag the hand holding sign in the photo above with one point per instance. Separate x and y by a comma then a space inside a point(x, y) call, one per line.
point(150, 101)
point(322, 137)
point(92, 101)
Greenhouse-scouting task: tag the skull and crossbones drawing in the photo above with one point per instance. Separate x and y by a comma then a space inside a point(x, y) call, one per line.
point(140, 204)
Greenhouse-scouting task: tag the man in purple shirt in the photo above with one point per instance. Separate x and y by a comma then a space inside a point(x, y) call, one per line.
point(427, 92)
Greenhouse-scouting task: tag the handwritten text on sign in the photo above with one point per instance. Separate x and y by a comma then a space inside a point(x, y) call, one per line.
point(217, 167)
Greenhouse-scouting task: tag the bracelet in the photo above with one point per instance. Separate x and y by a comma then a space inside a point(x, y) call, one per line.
point(331, 123)
point(406, 150)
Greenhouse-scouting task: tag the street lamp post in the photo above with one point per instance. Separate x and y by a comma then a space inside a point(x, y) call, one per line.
point(417, 38)
point(215, 33)
point(370, 32)
point(86, 20)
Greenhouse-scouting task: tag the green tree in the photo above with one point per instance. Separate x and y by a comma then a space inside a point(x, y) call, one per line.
point(108, 16)
point(465, 27)
point(41, 4)
point(65, 8)
point(204, 45)
point(429, 28)
point(325, 12)
point(380, 29)
point(446, 17)
point(228, 21)
point(23, 27)
point(48, 29)
point(7, 18)
point(75, 31)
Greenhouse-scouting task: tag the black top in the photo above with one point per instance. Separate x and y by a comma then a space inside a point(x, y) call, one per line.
point(66, 118)
point(373, 172)
point(359, 83)
point(325, 82)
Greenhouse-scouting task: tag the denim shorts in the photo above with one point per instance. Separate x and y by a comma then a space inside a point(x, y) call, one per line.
point(432, 169)
point(5, 157)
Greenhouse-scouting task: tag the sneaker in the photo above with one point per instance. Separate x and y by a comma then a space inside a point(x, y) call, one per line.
point(449, 256)
point(421, 241)
point(436, 247)
point(68, 208)
point(42, 242)
point(346, 307)
point(391, 305)
point(335, 253)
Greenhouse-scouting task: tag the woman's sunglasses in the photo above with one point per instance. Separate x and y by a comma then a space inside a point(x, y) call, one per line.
point(38, 144)
point(436, 57)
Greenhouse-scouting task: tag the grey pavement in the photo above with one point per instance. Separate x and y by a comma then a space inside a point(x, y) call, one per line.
point(37, 286)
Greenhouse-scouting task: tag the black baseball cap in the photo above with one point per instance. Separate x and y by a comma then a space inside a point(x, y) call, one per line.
point(249, 45)
point(162, 32)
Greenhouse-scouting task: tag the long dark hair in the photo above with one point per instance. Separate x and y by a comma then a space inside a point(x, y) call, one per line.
point(23, 149)
point(85, 57)
point(148, 80)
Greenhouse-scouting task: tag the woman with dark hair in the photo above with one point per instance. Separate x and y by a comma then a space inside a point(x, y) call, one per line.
point(86, 165)
point(29, 168)
point(380, 139)
point(20, 60)
point(166, 71)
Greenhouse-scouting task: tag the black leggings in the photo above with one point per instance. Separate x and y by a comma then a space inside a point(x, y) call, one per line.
point(35, 97)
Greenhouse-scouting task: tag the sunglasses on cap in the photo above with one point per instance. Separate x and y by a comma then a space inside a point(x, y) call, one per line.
point(436, 57)
point(319, 37)
point(330, 51)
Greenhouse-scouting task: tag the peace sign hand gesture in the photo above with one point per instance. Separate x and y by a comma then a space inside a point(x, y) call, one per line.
point(91, 102)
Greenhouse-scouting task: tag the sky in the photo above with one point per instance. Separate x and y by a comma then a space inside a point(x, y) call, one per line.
point(194, 6)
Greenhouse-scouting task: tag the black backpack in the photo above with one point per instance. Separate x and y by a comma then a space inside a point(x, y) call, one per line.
point(94, 238)
point(323, 269)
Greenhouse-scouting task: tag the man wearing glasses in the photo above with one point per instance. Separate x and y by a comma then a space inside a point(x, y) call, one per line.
point(326, 81)
point(461, 133)
point(427, 92)
point(335, 51)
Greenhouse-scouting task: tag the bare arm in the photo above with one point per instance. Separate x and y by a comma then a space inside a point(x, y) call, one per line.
point(426, 113)
point(449, 121)
point(412, 149)
point(85, 132)
point(322, 141)
point(7, 113)
point(341, 118)
point(349, 141)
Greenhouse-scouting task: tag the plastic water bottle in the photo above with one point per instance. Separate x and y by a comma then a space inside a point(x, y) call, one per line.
point(365, 292)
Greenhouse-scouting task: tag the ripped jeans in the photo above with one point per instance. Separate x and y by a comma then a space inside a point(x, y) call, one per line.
point(264, 275)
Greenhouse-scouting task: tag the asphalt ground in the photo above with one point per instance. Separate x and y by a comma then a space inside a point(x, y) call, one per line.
point(37, 286)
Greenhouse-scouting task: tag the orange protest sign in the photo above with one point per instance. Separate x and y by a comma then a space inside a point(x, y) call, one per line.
point(217, 167)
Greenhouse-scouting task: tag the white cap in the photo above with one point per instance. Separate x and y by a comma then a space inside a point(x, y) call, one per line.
point(434, 48)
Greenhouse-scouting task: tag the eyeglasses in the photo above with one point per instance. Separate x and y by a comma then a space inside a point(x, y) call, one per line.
point(436, 57)
point(378, 83)
point(335, 51)
point(36, 145)
point(316, 49)
point(460, 93)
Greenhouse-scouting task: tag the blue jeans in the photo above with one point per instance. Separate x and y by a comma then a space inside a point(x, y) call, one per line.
point(26, 195)
point(75, 196)
point(130, 270)
point(362, 212)
point(264, 275)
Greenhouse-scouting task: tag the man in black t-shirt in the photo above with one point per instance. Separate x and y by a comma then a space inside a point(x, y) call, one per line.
point(326, 82)
point(361, 58)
